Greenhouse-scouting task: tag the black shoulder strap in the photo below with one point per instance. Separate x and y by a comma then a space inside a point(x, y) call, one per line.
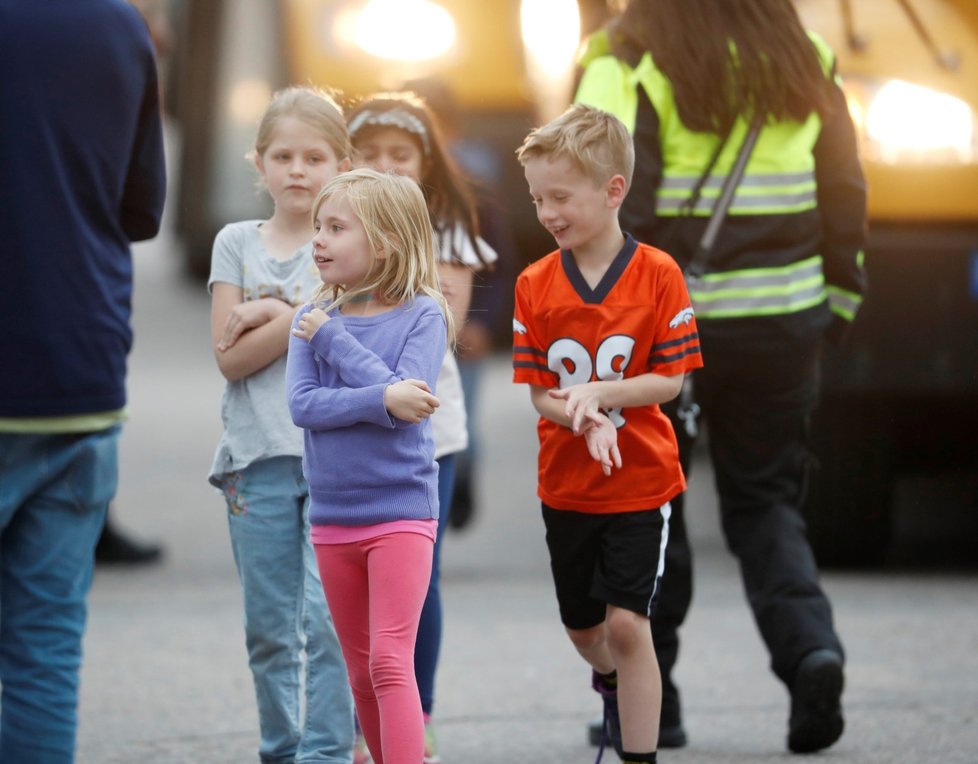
point(698, 262)
point(689, 205)
point(697, 265)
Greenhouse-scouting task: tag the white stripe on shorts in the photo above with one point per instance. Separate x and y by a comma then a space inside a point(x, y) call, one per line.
point(666, 510)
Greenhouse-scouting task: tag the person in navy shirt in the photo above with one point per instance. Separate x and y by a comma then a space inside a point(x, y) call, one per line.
point(83, 176)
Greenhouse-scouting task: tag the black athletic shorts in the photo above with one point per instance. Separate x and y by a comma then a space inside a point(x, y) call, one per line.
point(611, 559)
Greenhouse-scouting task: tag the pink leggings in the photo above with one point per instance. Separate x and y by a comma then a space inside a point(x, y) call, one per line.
point(375, 589)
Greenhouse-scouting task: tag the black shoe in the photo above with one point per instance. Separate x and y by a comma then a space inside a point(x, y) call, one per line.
point(595, 729)
point(671, 736)
point(115, 549)
point(463, 506)
point(816, 710)
point(671, 732)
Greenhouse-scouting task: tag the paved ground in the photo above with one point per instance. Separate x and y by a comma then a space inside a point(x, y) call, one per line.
point(166, 682)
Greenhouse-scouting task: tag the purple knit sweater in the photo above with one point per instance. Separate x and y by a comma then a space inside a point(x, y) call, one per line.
point(364, 466)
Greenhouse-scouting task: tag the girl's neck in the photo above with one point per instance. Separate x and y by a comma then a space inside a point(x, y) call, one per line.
point(369, 297)
point(283, 234)
point(370, 304)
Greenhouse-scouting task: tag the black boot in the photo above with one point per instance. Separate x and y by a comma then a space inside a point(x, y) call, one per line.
point(114, 548)
point(816, 720)
point(463, 503)
point(671, 732)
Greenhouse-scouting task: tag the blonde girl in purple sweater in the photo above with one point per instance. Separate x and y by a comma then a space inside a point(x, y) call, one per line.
point(362, 365)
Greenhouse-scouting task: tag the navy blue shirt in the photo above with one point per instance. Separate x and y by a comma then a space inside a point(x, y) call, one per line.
point(81, 176)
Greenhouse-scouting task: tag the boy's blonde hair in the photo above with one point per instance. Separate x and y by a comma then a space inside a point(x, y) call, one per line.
point(313, 106)
point(395, 218)
point(596, 142)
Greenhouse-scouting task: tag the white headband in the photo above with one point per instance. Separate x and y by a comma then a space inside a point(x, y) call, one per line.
point(392, 118)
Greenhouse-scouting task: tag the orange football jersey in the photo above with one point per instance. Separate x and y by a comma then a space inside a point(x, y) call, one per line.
point(637, 320)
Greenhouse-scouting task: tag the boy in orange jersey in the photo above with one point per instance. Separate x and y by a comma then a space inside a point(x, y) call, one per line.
point(603, 333)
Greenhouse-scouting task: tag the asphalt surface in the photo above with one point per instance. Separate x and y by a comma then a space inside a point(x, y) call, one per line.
point(165, 679)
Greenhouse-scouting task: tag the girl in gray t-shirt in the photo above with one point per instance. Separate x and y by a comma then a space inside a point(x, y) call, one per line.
point(261, 272)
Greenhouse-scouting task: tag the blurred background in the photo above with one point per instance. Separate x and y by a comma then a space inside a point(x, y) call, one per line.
point(898, 422)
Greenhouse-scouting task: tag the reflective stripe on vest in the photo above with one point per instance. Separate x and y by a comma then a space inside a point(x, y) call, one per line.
point(779, 180)
point(759, 194)
point(759, 291)
point(843, 302)
point(780, 175)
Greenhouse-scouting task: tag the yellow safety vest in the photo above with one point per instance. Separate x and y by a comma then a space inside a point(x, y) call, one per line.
point(779, 180)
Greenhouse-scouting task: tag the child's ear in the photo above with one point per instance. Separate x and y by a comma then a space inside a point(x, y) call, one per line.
point(259, 165)
point(616, 188)
point(345, 165)
point(388, 246)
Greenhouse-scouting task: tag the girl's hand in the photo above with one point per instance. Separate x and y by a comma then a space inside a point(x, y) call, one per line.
point(250, 315)
point(410, 400)
point(583, 403)
point(309, 323)
point(602, 444)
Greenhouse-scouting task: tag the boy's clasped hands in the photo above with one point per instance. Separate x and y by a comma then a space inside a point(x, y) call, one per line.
point(583, 408)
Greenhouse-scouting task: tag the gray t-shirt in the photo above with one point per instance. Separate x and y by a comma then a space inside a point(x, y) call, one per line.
point(257, 423)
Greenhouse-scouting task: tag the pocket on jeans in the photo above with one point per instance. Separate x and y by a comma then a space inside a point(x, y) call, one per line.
point(232, 486)
point(92, 475)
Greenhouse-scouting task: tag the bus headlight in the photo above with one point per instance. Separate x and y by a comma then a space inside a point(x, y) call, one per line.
point(398, 30)
point(902, 122)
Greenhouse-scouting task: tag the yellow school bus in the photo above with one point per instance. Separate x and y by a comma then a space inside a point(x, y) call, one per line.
point(902, 397)
point(509, 64)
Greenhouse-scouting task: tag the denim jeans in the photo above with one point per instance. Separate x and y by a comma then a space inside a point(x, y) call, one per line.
point(54, 492)
point(428, 645)
point(285, 614)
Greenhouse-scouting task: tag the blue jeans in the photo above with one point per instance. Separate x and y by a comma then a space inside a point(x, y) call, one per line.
point(285, 613)
point(428, 645)
point(54, 492)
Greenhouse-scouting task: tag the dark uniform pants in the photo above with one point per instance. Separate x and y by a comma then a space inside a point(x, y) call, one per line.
point(756, 407)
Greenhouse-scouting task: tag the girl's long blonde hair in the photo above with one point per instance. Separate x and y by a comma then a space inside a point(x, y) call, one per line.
point(395, 217)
